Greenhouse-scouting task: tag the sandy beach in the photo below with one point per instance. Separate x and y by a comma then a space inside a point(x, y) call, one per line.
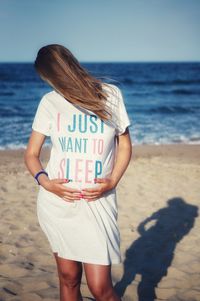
point(158, 208)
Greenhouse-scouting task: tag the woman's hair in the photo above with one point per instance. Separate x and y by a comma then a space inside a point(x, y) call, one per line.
point(57, 66)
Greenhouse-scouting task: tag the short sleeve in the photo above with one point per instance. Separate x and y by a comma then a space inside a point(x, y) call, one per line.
point(123, 120)
point(42, 119)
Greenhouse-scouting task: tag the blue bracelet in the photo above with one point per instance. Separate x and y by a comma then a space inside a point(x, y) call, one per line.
point(37, 175)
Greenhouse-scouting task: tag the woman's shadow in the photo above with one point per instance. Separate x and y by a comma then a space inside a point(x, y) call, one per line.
point(152, 253)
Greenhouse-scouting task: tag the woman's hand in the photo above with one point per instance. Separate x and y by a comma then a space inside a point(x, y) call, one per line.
point(66, 193)
point(92, 194)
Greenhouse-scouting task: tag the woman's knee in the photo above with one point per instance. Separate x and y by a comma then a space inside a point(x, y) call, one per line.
point(69, 278)
point(99, 281)
point(70, 272)
point(101, 291)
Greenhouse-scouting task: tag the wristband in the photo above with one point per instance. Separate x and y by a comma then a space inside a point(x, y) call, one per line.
point(37, 175)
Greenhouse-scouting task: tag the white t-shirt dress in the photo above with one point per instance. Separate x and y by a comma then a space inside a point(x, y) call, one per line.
point(83, 148)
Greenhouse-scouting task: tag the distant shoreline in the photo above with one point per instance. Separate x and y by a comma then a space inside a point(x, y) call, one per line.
point(181, 152)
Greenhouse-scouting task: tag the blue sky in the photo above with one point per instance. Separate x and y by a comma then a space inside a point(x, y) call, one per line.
point(104, 30)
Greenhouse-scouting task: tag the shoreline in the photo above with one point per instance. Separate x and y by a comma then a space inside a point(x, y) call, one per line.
point(187, 152)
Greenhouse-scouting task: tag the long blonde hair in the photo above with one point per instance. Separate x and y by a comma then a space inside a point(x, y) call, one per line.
point(60, 69)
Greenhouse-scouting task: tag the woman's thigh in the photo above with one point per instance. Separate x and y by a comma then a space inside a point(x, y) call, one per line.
point(98, 277)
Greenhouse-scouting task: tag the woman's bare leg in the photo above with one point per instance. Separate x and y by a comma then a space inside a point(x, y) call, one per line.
point(70, 274)
point(100, 282)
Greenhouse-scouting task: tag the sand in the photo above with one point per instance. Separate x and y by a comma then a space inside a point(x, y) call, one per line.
point(158, 200)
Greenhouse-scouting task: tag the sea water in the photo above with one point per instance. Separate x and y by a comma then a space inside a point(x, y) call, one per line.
point(162, 100)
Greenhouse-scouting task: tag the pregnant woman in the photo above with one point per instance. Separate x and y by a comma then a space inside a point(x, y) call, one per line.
point(87, 122)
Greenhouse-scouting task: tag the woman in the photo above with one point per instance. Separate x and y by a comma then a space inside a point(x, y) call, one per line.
point(76, 205)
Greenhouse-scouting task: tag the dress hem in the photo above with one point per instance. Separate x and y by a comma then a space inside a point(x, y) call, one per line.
point(117, 261)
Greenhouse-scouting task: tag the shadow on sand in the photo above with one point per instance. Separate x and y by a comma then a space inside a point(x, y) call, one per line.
point(152, 253)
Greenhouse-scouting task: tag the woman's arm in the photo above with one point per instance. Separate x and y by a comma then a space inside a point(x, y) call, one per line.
point(32, 154)
point(123, 156)
point(33, 164)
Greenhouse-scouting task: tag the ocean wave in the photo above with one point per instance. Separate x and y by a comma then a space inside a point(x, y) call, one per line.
point(7, 93)
point(16, 145)
point(14, 111)
point(135, 141)
point(173, 82)
point(184, 92)
point(128, 81)
point(166, 141)
point(174, 109)
point(171, 91)
point(185, 81)
point(140, 93)
point(161, 82)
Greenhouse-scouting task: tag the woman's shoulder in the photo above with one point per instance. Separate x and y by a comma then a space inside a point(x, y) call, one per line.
point(49, 97)
point(113, 93)
point(110, 86)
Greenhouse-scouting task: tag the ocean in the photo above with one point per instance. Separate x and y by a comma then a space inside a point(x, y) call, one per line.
point(162, 100)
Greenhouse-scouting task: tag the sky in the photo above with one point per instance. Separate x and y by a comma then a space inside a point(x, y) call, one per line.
point(102, 31)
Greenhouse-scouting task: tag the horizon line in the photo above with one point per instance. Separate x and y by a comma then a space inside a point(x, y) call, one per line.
point(116, 62)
